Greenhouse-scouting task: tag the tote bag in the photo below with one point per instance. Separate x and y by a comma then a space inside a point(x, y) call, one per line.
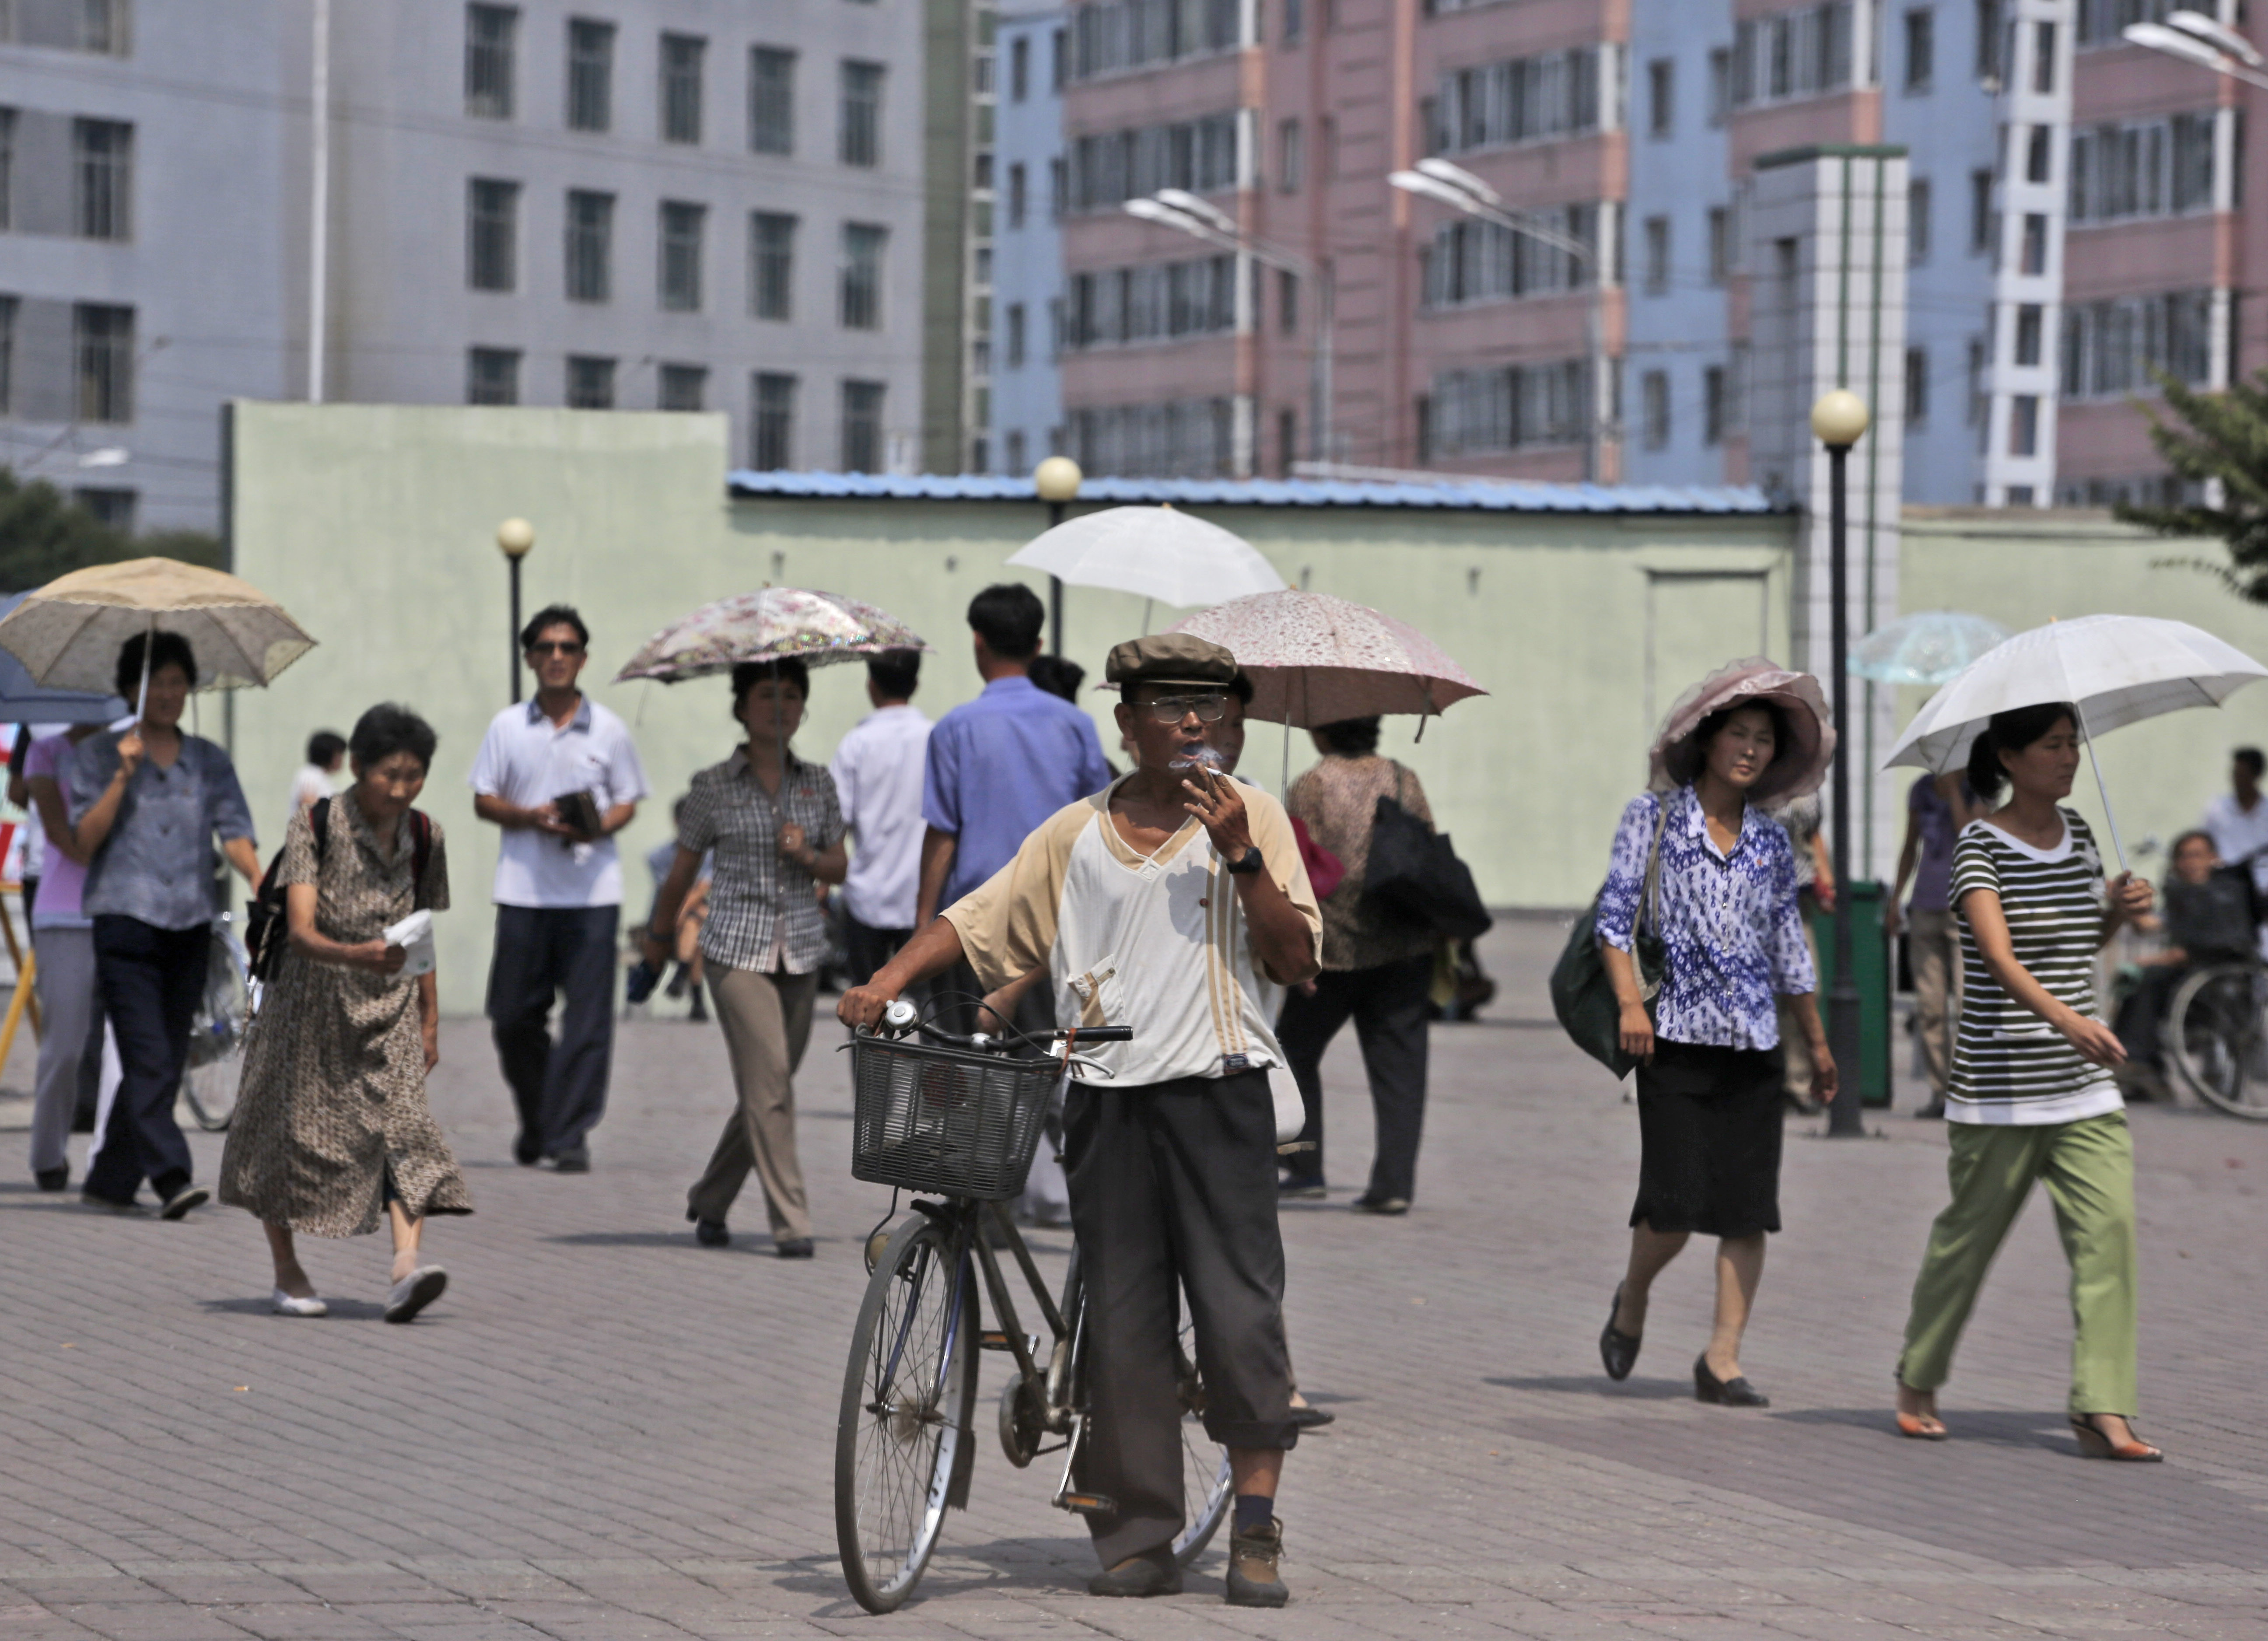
point(1583, 994)
point(1414, 876)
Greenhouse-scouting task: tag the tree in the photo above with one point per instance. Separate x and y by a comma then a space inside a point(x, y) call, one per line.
point(44, 534)
point(2205, 437)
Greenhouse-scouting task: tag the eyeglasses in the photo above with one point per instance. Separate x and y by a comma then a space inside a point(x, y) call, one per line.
point(1210, 708)
point(555, 647)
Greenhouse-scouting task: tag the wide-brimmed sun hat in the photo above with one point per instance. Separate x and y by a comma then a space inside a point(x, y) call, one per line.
point(1675, 757)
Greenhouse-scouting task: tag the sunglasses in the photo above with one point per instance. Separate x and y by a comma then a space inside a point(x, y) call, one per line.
point(1210, 709)
point(556, 647)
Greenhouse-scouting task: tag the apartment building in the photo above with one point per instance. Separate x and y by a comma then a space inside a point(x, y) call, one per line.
point(1031, 63)
point(2072, 220)
point(635, 205)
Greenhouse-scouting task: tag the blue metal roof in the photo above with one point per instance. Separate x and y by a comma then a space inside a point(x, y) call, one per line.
point(1481, 494)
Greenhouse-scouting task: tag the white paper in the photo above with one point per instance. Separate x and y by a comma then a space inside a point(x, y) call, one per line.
point(415, 935)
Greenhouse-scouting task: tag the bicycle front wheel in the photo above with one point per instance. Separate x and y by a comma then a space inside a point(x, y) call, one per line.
point(1205, 1485)
point(904, 1415)
point(2216, 1034)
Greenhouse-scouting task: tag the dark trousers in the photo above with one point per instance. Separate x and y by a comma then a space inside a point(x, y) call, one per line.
point(1388, 1005)
point(543, 952)
point(150, 979)
point(869, 948)
point(1173, 1191)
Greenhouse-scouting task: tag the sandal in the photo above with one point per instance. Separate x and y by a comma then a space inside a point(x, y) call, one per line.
point(2093, 1443)
point(1920, 1427)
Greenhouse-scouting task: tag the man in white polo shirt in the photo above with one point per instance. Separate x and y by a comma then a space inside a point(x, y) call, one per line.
point(1173, 902)
point(560, 775)
point(878, 770)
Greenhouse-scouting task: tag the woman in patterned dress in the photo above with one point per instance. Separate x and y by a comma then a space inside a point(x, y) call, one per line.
point(1709, 1077)
point(331, 1135)
point(2032, 1095)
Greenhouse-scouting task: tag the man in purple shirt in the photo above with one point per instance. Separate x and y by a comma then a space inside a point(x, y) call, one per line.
point(1000, 764)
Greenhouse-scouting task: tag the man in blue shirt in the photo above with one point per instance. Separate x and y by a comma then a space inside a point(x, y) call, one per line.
point(1000, 764)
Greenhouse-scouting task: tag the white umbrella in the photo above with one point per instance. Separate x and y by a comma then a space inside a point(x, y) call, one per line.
point(1165, 555)
point(2115, 669)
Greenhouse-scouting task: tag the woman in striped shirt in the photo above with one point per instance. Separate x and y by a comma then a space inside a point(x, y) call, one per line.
point(2032, 1095)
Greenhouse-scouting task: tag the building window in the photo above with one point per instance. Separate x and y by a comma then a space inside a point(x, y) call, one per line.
point(860, 304)
point(682, 57)
point(112, 508)
point(1180, 439)
point(2036, 154)
point(1017, 451)
point(1018, 194)
point(590, 75)
point(1013, 317)
point(2043, 58)
point(1156, 302)
point(771, 262)
point(1981, 215)
point(1327, 149)
point(1918, 227)
point(2034, 257)
point(1921, 48)
point(1020, 68)
point(102, 341)
point(1511, 407)
point(1805, 52)
point(862, 426)
point(492, 376)
point(1290, 157)
point(2024, 425)
point(491, 33)
point(1295, 21)
point(2028, 321)
point(7, 355)
point(492, 233)
point(1480, 262)
point(681, 256)
point(106, 27)
point(1521, 100)
point(1656, 235)
point(859, 136)
point(1722, 260)
point(1113, 36)
point(2117, 348)
point(2153, 168)
point(684, 387)
point(1720, 85)
point(7, 169)
point(771, 100)
point(772, 423)
point(102, 176)
point(1714, 407)
point(1916, 399)
point(590, 246)
point(1661, 96)
point(590, 383)
point(1990, 44)
point(1653, 402)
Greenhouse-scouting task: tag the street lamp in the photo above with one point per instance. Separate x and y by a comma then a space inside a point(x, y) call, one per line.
point(1838, 420)
point(1454, 186)
point(2196, 38)
point(514, 537)
point(1056, 481)
point(1201, 219)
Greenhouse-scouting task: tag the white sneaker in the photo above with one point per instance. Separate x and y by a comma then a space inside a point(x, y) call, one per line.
point(284, 1305)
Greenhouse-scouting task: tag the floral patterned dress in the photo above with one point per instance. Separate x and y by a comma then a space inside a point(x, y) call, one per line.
point(333, 1102)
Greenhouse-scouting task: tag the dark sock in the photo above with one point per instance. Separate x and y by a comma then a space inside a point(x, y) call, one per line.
point(1252, 1510)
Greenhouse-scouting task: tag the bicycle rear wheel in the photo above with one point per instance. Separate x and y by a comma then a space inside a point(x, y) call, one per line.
point(2216, 1038)
point(1205, 1485)
point(214, 1065)
point(904, 1412)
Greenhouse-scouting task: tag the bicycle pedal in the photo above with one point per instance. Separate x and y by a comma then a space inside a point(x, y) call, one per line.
point(1087, 1504)
point(996, 1339)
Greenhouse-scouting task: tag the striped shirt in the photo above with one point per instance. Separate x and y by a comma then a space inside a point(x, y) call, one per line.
point(2009, 1066)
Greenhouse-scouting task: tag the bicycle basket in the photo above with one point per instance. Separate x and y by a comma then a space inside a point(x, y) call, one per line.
point(945, 1119)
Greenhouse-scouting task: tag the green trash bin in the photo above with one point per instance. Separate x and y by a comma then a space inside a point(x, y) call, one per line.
point(1872, 963)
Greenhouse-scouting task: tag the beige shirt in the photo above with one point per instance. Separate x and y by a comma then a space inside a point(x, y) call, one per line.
point(1158, 943)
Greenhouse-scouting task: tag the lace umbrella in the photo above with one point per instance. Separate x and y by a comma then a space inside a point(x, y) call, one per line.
point(1313, 659)
point(774, 624)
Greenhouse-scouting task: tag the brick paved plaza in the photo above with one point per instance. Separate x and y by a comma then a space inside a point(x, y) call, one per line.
point(605, 1433)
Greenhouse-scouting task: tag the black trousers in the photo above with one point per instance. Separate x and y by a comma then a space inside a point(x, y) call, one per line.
point(1173, 1191)
point(542, 953)
point(1387, 1004)
point(869, 948)
point(150, 979)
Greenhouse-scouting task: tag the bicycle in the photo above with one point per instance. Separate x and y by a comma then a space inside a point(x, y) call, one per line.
point(957, 1117)
point(2215, 1038)
point(215, 1060)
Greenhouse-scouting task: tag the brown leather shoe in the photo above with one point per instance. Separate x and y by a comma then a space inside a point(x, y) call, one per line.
point(1252, 1578)
point(1138, 1578)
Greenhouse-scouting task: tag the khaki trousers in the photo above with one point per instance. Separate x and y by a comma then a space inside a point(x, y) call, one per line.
point(2088, 1169)
point(1934, 954)
point(767, 1021)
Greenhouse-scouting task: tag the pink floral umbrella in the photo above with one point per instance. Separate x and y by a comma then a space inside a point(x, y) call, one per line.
point(1313, 659)
point(774, 624)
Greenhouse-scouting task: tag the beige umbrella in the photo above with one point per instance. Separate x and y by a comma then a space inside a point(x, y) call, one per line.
point(69, 632)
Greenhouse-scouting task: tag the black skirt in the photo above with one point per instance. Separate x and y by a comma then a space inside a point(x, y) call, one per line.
point(1709, 1125)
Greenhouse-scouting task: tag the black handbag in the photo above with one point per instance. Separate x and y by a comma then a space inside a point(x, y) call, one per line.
point(1415, 877)
point(1583, 993)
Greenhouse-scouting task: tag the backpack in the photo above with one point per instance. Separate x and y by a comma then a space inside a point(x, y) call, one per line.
point(266, 932)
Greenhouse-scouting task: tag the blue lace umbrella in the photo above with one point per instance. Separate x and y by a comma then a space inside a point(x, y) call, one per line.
point(1929, 648)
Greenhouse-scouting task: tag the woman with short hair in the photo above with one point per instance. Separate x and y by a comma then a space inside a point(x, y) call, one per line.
point(2033, 1094)
point(1710, 1073)
point(332, 1136)
point(776, 830)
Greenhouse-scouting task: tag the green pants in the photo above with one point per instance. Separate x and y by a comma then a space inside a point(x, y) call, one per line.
point(2089, 1167)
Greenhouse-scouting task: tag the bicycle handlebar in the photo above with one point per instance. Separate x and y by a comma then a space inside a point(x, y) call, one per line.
point(901, 1018)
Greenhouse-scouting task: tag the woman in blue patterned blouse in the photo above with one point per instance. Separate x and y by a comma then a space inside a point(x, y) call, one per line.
point(1709, 1079)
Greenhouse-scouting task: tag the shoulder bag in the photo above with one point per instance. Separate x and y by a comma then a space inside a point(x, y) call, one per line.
point(1583, 993)
point(266, 934)
point(1415, 877)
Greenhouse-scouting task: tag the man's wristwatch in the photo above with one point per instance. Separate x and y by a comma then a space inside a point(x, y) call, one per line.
point(1245, 864)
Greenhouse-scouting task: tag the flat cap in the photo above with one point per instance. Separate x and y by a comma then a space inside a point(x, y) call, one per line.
point(1170, 658)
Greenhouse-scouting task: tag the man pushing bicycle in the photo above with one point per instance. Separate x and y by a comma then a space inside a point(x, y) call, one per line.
point(1173, 902)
